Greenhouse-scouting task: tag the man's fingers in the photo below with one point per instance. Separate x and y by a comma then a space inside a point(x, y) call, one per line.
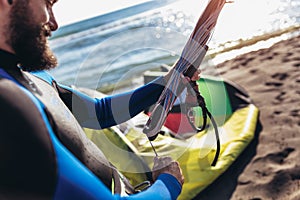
point(167, 165)
point(161, 162)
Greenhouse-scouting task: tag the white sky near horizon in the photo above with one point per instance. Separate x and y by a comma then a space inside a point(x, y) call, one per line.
point(69, 11)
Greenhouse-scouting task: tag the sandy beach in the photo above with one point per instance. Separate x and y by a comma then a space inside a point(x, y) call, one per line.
point(270, 167)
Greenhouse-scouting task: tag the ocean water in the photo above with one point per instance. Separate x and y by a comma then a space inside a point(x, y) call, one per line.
point(116, 48)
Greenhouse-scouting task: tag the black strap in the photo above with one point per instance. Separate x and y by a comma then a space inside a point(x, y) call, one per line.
point(205, 112)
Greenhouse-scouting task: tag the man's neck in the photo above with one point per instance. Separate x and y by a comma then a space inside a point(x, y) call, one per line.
point(4, 46)
point(8, 60)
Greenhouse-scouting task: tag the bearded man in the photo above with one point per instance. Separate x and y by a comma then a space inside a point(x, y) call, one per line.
point(44, 152)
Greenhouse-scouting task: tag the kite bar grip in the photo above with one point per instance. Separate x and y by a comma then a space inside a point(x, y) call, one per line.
point(196, 64)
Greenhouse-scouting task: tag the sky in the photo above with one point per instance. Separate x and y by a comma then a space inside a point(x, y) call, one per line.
point(69, 11)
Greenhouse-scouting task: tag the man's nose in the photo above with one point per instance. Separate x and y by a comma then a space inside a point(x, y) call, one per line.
point(52, 21)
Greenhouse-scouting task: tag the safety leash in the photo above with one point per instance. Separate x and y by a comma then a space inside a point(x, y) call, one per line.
point(205, 113)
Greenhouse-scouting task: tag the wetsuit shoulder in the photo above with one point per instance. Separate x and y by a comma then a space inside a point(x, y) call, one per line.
point(28, 164)
point(44, 75)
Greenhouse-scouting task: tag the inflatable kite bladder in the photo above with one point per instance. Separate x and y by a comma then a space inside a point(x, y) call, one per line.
point(130, 150)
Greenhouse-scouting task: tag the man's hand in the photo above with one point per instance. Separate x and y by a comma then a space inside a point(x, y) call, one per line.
point(167, 165)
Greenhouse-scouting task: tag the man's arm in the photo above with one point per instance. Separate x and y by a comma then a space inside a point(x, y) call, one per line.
point(111, 110)
point(28, 165)
point(29, 168)
point(168, 179)
point(167, 170)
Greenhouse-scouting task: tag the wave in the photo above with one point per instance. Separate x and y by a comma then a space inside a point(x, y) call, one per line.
point(124, 45)
point(109, 17)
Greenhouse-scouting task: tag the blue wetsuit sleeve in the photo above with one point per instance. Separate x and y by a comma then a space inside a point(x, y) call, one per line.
point(99, 113)
point(117, 109)
point(108, 111)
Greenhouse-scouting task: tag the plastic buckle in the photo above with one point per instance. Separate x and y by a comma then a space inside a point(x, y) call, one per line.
point(142, 186)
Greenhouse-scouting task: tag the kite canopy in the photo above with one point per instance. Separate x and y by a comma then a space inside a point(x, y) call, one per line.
point(130, 151)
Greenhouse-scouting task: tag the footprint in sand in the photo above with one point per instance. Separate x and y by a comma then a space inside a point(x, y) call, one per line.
point(234, 67)
point(263, 169)
point(282, 180)
point(280, 97)
point(287, 58)
point(277, 112)
point(296, 65)
point(295, 113)
point(277, 157)
point(280, 76)
point(267, 58)
point(243, 61)
point(296, 58)
point(276, 84)
point(263, 52)
point(253, 71)
point(247, 60)
point(276, 179)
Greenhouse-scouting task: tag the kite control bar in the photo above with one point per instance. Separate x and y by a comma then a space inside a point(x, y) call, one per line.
point(184, 69)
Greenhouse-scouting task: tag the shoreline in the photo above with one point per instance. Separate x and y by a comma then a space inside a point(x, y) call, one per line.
point(254, 44)
point(217, 57)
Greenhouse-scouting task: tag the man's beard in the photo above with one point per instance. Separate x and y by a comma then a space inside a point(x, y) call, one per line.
point(29, 40)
